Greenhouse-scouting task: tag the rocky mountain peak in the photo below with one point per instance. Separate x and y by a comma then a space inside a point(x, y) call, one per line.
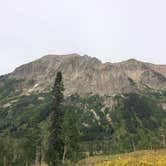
point(88, 75)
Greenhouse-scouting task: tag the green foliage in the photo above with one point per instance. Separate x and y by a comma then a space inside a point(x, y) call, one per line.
point(71, 134)
point(56, 144)
point(8, 87)
point(137, 122)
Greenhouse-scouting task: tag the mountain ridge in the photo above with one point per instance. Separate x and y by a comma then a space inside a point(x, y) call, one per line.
point(88, 75)
point(117, 107)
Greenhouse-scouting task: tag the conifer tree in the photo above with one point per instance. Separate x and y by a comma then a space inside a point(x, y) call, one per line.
point(55, 142)
point(71, 134)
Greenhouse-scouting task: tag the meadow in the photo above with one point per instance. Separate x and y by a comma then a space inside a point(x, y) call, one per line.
point(138, 158)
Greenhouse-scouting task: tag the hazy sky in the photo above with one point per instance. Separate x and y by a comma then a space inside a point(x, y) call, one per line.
point(111, 30)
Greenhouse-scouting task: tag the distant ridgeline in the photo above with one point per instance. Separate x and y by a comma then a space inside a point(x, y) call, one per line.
point(108, 124)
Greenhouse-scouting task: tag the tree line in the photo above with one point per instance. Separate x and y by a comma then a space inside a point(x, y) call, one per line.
point(60, 144)
point(135, 123)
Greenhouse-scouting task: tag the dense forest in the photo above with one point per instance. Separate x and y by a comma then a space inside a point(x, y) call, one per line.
point(136, 122)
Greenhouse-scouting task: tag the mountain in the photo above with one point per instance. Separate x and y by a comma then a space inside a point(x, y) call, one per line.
point(117, 107)
point(86, 75)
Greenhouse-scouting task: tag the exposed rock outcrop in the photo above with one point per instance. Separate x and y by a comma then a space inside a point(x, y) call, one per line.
point(86, 75)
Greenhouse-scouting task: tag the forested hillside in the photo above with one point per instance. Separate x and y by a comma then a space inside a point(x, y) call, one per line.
point(104, 113)
point(137, 122)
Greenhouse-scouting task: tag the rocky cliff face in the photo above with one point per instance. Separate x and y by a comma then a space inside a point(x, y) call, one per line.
point(86, 75)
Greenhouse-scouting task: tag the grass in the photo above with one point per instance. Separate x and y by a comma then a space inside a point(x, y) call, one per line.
point(138, 158)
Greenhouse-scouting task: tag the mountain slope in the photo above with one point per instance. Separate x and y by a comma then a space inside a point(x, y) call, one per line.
point(109, 120)
point(86, 75)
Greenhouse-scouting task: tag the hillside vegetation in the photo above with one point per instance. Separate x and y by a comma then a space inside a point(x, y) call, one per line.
point(137, 122)
point(131, 116)
point(139, 158)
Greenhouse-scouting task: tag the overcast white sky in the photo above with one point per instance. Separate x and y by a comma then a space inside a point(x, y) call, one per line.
point(111, 30)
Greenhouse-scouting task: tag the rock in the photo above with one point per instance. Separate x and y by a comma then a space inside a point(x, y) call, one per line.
point(7, 105)
point(86, 75)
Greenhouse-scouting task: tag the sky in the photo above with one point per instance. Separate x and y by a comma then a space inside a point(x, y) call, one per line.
point(111, 30)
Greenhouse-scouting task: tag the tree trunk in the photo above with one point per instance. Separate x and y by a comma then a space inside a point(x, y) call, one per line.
point(27, 164)
point(133, 144)
point(164, 142)
point(4, 161)
point(37, 156)
point(64, 154)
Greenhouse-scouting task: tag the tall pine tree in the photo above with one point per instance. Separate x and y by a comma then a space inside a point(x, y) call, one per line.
point(56, 144)
point(71, 135)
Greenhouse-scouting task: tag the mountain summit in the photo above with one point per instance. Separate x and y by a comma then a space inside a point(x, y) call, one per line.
point(87, 75)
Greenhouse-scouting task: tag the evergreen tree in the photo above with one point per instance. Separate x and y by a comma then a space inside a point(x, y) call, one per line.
point(71, 134)
point(55, 144)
